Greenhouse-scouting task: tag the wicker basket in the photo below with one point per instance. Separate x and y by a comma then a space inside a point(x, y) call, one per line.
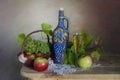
point(29, 61)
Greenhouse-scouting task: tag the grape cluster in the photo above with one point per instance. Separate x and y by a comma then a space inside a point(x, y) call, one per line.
point(36, 46)
point(30, 47)
point(44, 48)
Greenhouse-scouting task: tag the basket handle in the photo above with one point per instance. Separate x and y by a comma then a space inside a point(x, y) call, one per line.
point(25, 39)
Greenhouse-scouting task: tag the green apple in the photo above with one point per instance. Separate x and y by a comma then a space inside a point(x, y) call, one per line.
point(85, 61)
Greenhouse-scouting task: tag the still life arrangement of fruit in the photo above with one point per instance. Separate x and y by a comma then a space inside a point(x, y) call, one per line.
point(34, 50)
point(59, 52)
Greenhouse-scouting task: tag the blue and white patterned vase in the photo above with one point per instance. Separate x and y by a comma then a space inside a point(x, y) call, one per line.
point(60, 38)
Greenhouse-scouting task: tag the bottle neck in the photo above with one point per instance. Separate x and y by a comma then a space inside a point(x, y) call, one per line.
point(61, 13)
point(61, 17)
point(61, 20)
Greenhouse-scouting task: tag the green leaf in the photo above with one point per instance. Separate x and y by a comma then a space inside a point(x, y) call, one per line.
point(95, 55)
point(72, 48)
point(66, 58)
point(71, 59)
point(46, 28)
point(21, 37)
point(100, 50)
point(81, 52)
point(88, 40)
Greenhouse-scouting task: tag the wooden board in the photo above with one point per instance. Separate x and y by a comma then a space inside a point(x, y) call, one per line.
point(109, 69)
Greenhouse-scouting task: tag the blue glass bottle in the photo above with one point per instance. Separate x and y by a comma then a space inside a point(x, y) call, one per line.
point(60, 38)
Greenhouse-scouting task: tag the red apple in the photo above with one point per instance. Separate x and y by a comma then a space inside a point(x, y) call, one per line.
point(30, 60)
point(40, 64)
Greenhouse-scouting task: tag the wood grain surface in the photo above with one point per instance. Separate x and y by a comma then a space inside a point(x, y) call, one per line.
point(109, 70)
point(34, 75)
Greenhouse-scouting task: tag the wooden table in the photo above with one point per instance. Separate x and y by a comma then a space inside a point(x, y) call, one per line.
point(109, 70)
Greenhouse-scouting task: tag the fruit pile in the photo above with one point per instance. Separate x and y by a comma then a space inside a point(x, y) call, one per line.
point(34, 53)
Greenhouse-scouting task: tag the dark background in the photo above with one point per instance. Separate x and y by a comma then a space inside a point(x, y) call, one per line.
point(98, 17)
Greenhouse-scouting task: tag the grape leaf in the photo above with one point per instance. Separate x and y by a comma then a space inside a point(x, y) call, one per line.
point(71, 58)
point(46, 28)
point(81, 52)
point(95, 55)
point(21, 37)
point(65, 58)
point(100, 50)
point(86, 39)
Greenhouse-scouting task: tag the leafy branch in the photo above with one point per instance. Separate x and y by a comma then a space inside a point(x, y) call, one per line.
point(85, 46)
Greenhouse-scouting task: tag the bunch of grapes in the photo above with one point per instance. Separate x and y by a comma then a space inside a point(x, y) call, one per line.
point(36, 46)
point(30, 47)
point(44, 48)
